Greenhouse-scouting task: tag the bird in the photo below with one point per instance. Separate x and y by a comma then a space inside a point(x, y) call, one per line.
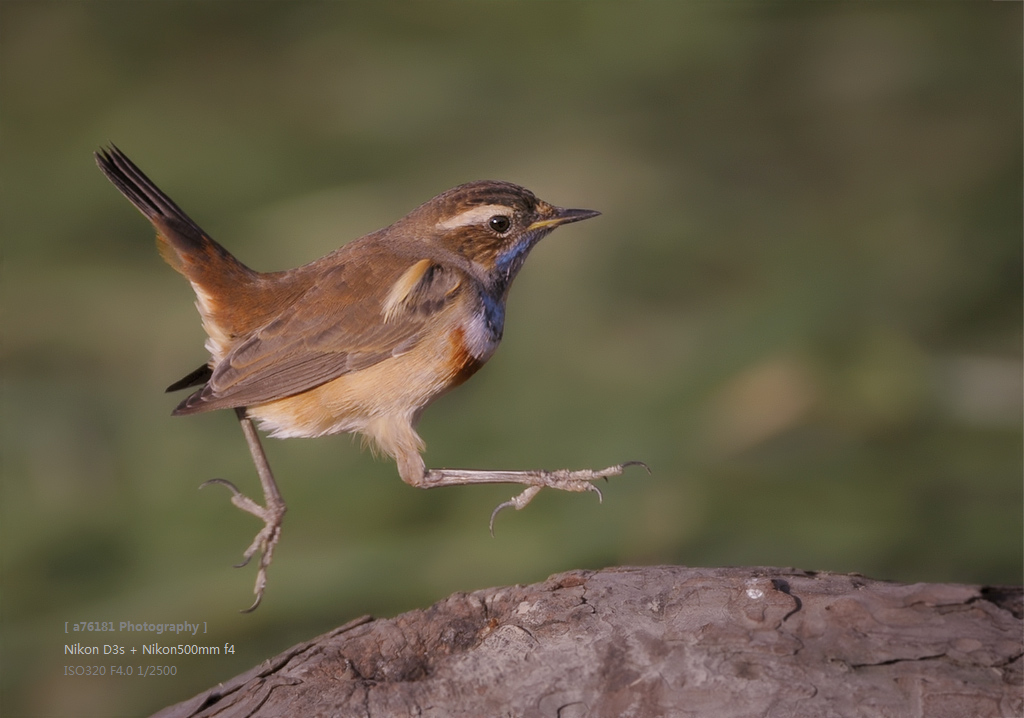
point(360, 340)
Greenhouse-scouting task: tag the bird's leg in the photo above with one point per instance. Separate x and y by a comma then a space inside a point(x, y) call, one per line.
point(272, 513)
point(564, 479)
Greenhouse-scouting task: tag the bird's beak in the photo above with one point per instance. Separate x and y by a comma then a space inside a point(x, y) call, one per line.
point(561, 216)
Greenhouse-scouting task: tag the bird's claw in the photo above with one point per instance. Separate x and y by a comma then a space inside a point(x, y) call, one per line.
point(223, 482)
point(567, 481)
point(516, 502)
point(635, 463)
point(265, 541)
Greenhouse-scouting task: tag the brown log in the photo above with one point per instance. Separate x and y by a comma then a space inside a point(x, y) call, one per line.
point(658, 641)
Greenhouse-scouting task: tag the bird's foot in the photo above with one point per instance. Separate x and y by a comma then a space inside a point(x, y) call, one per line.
point(563, 479)
point(272, 516)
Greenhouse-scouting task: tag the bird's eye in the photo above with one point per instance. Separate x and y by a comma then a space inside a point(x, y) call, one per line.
point(499, 223)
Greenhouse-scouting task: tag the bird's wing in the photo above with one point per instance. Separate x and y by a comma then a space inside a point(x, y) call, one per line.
point(358, 312)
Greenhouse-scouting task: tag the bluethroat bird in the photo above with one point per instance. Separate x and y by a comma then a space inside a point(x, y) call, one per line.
point(361, 340)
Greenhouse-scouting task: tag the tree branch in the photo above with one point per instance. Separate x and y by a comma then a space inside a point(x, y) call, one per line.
point(658, 641)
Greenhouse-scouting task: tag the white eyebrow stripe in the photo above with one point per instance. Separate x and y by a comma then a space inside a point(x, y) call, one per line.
point(475, 215)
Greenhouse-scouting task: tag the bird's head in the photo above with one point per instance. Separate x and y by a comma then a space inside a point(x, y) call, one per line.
point(492, 224)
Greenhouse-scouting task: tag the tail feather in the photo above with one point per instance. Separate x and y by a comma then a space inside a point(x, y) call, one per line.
point(183, 244)
point(222, 284)
point(146, 196)
point(199, 377)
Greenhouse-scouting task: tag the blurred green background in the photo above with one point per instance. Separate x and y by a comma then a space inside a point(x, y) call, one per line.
point(801, 305)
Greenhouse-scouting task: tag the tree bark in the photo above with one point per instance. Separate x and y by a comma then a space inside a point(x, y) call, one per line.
point(658, 641)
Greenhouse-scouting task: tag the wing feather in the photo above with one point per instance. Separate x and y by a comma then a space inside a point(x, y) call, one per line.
point(326, 332)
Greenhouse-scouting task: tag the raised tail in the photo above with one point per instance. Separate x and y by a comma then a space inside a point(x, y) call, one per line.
point(221, 283)
point(182, 243)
